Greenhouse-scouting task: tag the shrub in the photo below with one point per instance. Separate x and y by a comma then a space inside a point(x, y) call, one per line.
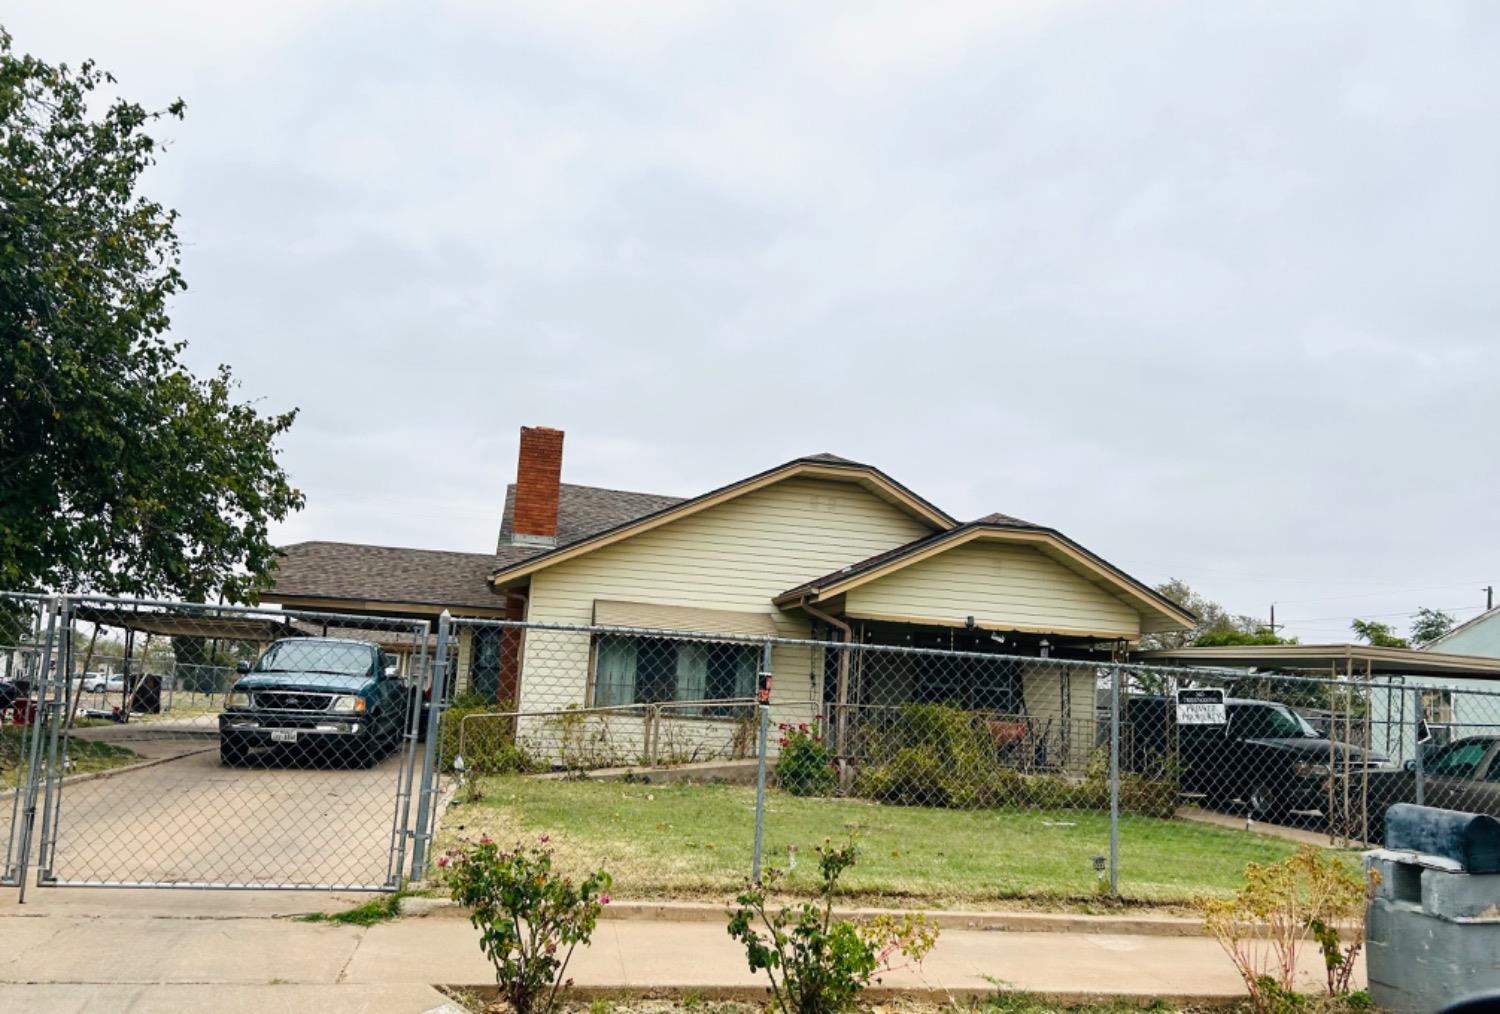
point(480, 735)
point(936, 755)
point(817, 964)
point(805, 766)
point(529, 918)
point(1282, 906)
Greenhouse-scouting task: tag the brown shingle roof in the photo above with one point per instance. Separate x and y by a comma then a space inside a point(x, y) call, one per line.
point(586, 510)
point(346, 570)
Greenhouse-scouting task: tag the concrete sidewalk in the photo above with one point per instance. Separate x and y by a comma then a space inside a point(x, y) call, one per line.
point(141, 951)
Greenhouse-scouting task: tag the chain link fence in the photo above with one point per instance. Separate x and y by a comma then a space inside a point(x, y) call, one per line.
point(295, 771)
point(285, 748)
point(944, 749)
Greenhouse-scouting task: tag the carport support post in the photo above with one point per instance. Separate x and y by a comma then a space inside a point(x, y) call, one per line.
point(429, 755)
point(1114, 781)
point(1416, 739)
point(764, 707)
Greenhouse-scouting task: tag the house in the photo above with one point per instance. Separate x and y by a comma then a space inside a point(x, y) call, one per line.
point(815, 550)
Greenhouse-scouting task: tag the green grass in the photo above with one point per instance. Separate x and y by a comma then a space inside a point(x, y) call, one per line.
point(381, 908)
point(86, 756)
point(695, 841)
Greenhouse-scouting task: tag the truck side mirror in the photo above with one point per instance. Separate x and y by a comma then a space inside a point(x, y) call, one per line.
point(392, 670)
point(1410, 765)
point(242, 667)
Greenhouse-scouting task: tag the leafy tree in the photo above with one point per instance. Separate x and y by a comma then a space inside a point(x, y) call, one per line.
point(1430, 624)
point(1379, 635)
point(120, 471)
point(1216, 625)
point(1237, 635)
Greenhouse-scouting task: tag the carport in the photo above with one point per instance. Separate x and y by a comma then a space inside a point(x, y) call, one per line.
point(1391, 678)
point(230, 626)
point(1401, 702)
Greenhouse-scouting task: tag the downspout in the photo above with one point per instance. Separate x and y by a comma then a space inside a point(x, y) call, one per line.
point(841, 719)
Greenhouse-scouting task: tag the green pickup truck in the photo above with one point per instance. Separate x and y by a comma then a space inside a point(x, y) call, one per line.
point(327, 699)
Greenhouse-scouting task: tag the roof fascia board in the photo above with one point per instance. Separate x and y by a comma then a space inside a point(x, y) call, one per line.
point(793, 469)
point(942, 544)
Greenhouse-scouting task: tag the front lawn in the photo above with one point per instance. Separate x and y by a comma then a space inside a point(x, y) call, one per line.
point(85, 755)
point(696, 841)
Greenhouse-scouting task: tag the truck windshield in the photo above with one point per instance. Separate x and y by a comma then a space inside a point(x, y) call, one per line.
point(1269, 721)
point(316, 656)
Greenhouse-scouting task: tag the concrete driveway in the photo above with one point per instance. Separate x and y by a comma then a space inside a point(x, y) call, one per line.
point(189, 820)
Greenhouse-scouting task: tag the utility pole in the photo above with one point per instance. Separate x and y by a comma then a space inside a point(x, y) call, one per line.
point(1273, 626)
point(1489, 597)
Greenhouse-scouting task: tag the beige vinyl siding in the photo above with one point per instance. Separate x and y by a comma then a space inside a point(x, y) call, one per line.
point(1062, 704)
point(1002, 586)
point(735, 556)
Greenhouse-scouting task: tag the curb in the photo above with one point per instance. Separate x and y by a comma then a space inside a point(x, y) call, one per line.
point(757, 994)
point(995, 922)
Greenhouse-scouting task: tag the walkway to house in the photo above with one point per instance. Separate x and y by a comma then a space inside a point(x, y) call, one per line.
point(149, 951)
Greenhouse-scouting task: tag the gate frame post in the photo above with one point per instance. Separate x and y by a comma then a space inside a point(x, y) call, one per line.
point(41, 719)
point(402, 821)
point(62, 707)
point(421, 845)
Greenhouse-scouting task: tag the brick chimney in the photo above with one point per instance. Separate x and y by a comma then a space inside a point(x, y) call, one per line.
point(538, 476)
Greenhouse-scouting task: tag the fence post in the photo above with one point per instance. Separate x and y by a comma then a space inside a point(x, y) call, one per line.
point(41, 719)
point(63, 705)
point(1114, 781)
point(425, 808)
point(1419, 724)
point(764, 707)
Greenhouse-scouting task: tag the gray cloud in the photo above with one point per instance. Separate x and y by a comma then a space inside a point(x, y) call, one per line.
point(1210, 287)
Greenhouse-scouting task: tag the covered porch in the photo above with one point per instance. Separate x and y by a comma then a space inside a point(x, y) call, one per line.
point(1004, 622)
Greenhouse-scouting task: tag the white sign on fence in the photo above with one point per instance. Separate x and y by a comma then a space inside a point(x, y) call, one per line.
point(1201, 707)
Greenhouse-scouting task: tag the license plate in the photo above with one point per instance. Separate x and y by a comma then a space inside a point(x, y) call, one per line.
point(283, 735)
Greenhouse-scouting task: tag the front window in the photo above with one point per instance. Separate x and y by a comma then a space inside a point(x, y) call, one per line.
point(329, 657)
point(655, 670)
point(1269, 721)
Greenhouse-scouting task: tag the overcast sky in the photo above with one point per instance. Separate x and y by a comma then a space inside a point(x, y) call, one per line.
point(1212, 288)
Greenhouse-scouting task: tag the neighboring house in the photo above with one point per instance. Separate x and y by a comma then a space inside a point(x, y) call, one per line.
point(1453, 715)
point(819, 548)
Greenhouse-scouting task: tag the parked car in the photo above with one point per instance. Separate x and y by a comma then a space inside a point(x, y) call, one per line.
point(330, 699)
point(98, 682)
point(1462, 775)
point(1265, 756)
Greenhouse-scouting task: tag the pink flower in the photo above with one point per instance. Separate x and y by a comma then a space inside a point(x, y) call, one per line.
point(551, 948)
point(604, 898)
point(485, 839)
point(442, 862)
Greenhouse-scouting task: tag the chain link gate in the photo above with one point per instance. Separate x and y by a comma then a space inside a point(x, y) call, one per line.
point(237, 748)
point(28, 629)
